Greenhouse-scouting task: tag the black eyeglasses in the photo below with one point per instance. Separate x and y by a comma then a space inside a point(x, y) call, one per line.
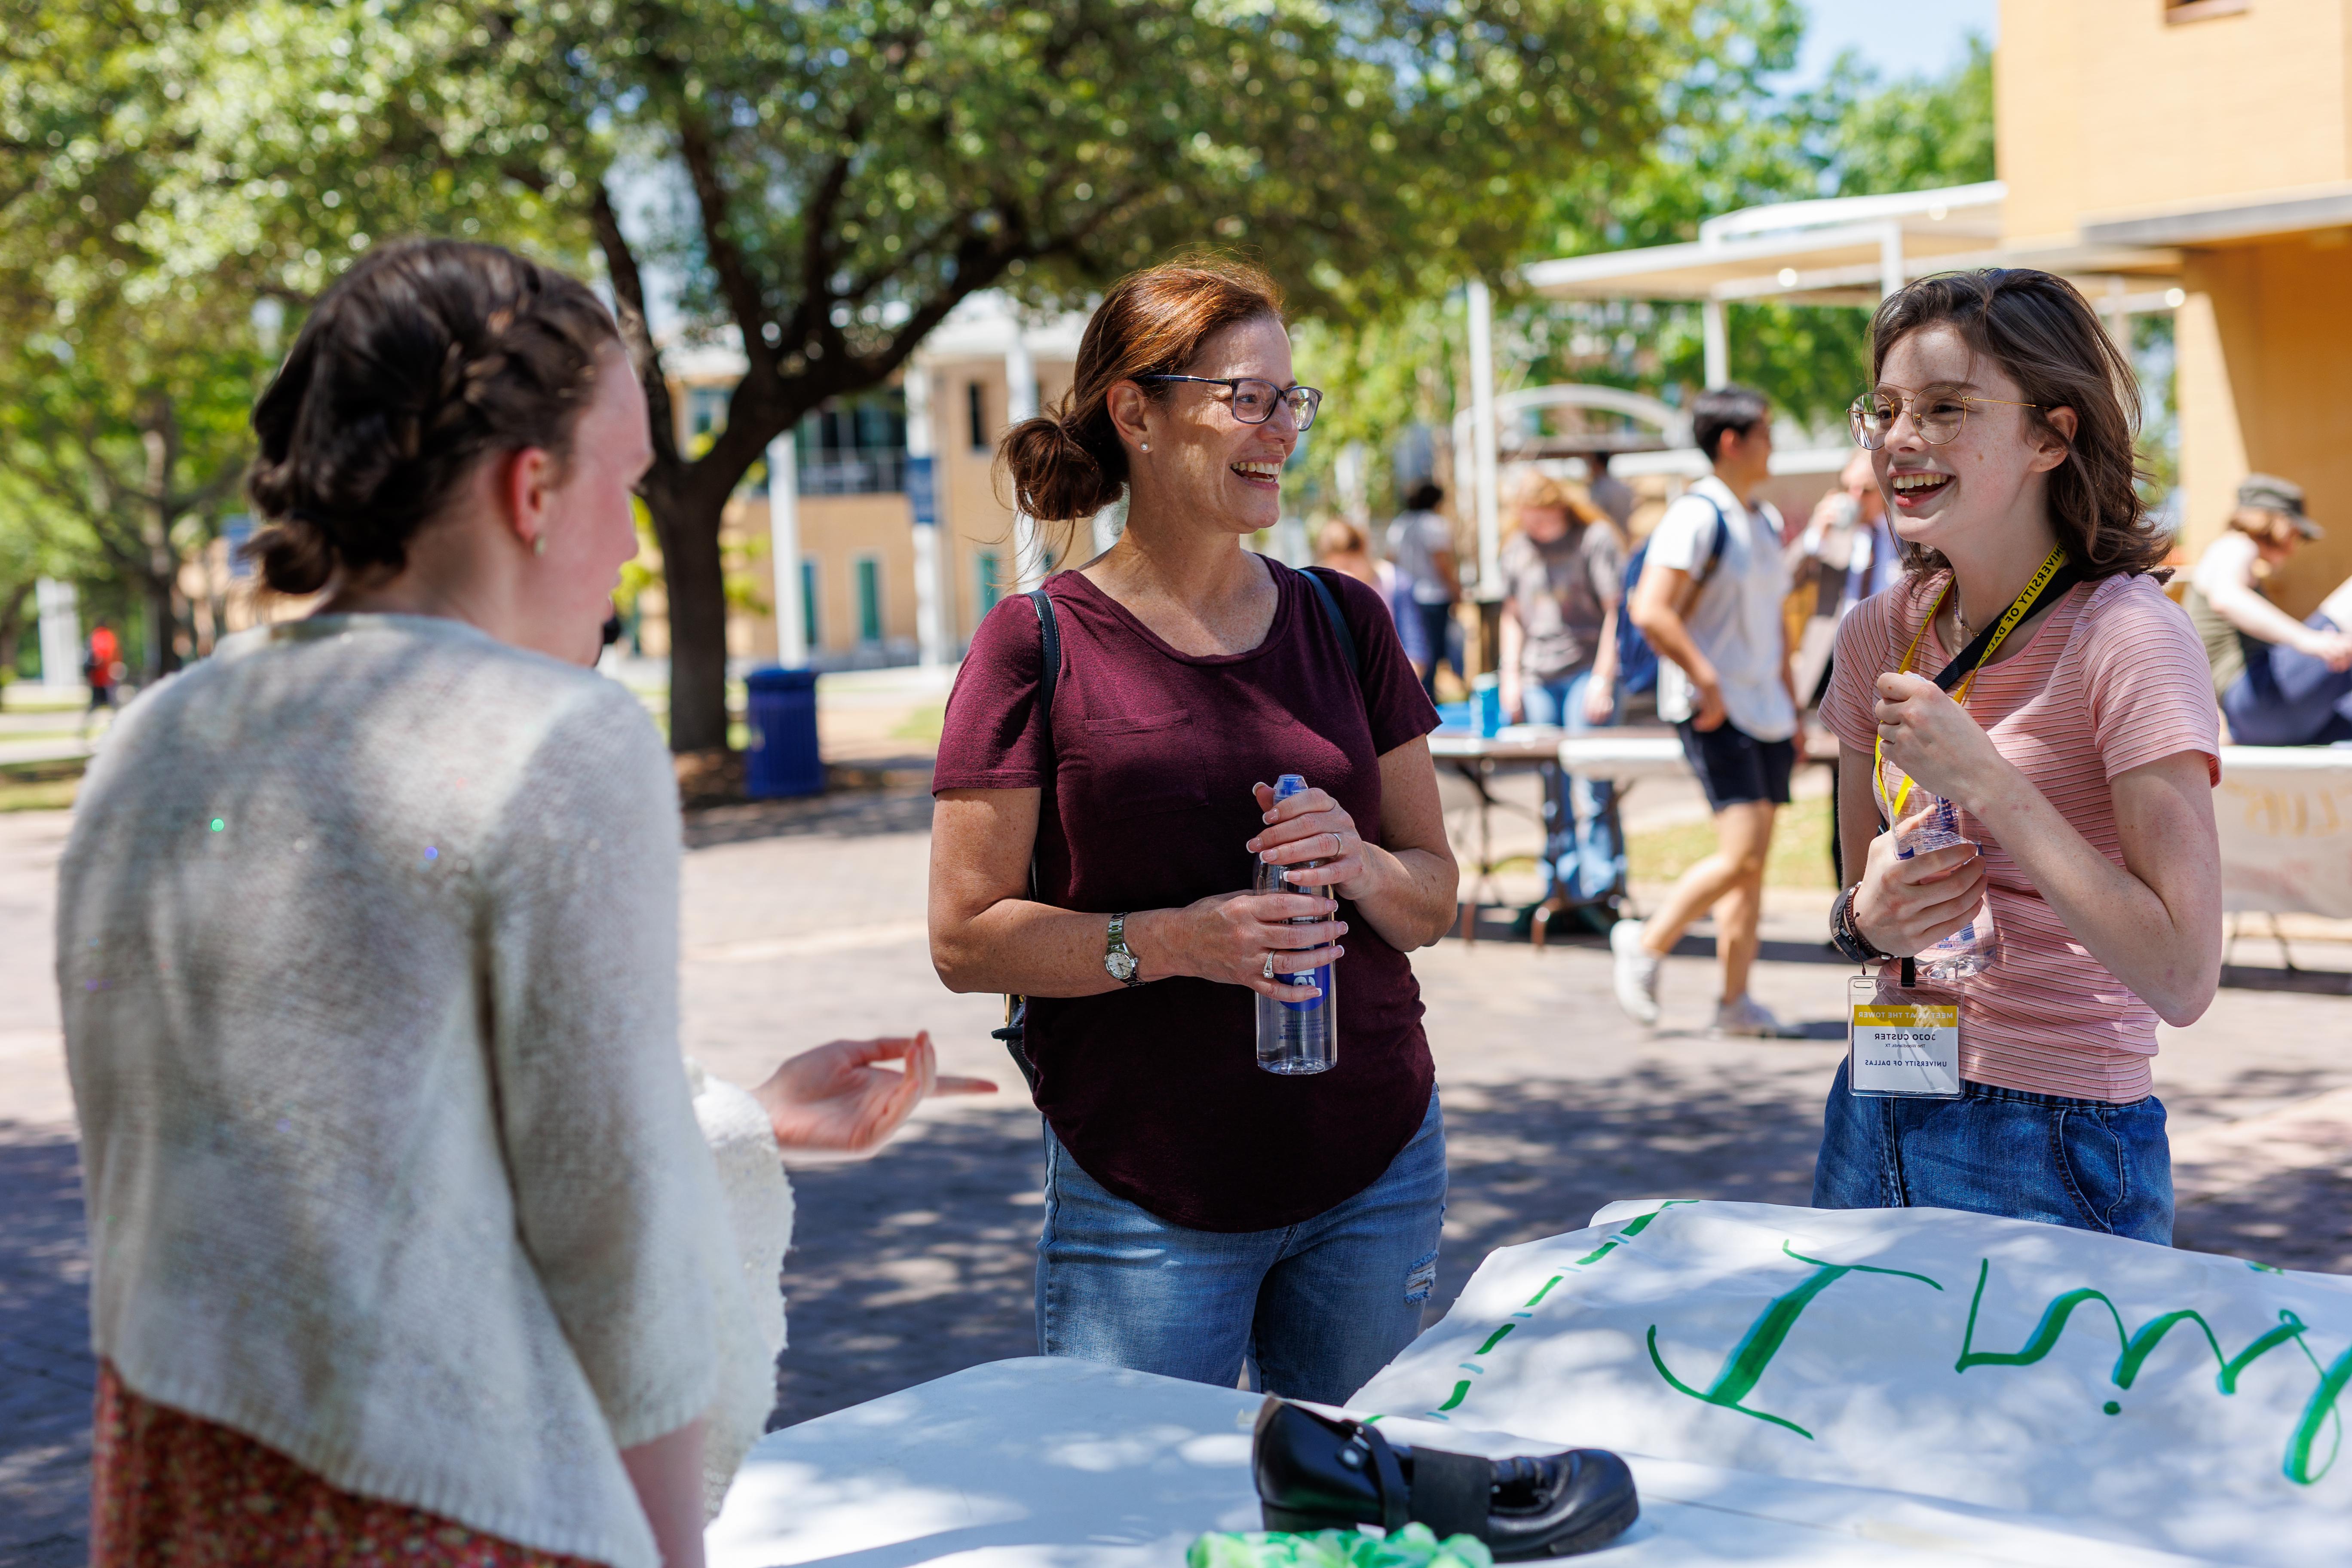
point(1254, 400)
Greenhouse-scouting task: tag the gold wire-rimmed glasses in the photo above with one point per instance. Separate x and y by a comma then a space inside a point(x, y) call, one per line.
point(1937, 412)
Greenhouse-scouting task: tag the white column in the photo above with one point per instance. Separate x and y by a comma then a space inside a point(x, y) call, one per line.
point(784, 545)
point(1021, 402)
point(1715, 335)
point(61, 647)
point(923, 499)
point(1890, 260)
point(1483, 432)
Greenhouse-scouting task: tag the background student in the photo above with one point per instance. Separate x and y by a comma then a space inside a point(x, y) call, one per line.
point(2280, 681)
point(2082, 762)
point(1561, 568)
point(1709, 601)
point(1421, 542)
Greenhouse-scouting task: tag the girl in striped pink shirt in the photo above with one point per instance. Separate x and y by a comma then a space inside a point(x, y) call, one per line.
point(2000, 426)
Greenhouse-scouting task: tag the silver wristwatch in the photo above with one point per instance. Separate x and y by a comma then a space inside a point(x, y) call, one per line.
point(1116, 959)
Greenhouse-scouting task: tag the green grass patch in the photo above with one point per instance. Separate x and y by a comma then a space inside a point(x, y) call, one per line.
point(924, 724)
point(1799, 856)
point(40, 786)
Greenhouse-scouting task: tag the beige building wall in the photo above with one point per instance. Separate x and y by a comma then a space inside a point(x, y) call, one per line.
point(2265, 378)
point(2111, 111)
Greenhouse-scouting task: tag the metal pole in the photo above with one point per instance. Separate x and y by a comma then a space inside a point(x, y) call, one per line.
point(784, 544)
point(62, 643)
point(1714, 334)
point(1890, 260)
point(1484, 434)
point(922, 501)
point(1021, 402)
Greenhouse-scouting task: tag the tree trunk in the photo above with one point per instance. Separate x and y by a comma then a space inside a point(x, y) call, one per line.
point(162, 626)
point(695, 581)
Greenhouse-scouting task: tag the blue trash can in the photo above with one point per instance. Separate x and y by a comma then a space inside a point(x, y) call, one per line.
point(783, 758)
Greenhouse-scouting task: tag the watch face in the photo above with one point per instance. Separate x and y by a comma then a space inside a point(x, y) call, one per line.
point(1121, 964)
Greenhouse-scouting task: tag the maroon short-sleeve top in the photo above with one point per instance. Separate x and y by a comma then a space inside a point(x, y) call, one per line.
point(1146, 804)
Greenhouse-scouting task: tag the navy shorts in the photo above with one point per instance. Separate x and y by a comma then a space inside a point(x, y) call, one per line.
point(1735, 767)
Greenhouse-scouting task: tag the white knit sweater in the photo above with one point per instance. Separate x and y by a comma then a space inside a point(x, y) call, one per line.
point(367, 943)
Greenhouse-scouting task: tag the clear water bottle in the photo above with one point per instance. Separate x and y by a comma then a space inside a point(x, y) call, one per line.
point(1973, 949)
point(1296, 1038)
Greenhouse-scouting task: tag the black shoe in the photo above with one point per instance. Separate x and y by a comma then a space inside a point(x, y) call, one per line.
point(1315, 1473)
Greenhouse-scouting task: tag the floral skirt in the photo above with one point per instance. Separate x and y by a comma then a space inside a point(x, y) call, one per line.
point(169, 1490)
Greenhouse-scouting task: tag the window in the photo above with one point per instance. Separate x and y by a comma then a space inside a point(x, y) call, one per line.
point(854, 446)
point(808, 603)
point(870, 599)
point(990, 568)
point(975, 398)
point(706, 413)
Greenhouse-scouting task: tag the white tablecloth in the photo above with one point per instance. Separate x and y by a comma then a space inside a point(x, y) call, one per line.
point(1065, 1464)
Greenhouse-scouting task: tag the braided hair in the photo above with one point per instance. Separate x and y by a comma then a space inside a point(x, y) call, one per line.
point(423, 358)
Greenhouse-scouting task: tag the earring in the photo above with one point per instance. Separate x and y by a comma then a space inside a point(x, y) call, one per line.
point(538, 544)
point(1147, 445)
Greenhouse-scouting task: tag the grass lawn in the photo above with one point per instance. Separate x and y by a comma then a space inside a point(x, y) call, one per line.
point(39, 786)
point(1800, 857)
point(922, 724)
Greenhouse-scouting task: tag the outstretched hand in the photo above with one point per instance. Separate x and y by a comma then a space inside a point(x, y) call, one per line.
point(835, 1100)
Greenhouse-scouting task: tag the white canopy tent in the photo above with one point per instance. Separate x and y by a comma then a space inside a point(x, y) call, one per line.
point(1844, 250)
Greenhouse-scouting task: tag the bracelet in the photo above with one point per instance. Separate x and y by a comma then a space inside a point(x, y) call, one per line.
point(1846, 937)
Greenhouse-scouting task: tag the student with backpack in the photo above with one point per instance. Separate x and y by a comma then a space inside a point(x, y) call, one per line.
point(1104, 796)
point(1709, 601)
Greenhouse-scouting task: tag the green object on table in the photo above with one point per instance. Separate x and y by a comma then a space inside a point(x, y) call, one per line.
point(1414, 1546)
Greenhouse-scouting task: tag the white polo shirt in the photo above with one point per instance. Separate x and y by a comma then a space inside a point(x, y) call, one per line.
point(1736, 621)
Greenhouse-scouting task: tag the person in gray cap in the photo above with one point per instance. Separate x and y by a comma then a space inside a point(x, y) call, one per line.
point(2280, 681)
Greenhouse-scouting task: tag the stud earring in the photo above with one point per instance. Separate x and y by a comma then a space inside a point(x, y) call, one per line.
point(538, 545)
point(1147, 445)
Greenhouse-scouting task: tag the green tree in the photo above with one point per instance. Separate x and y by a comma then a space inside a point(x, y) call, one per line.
point(825, 182)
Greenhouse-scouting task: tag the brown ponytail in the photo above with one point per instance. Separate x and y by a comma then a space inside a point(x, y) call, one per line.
point(423, 358)
point(1069, 464)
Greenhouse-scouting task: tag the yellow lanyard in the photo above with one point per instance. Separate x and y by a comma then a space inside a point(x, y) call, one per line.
point(2021, 607)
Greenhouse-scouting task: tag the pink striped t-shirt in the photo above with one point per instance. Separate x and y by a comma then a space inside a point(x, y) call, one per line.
point(2115, 678)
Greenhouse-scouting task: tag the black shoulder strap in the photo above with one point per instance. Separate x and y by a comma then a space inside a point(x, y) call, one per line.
point(1331, 611)
point(1049, 672)
point(1049, 667)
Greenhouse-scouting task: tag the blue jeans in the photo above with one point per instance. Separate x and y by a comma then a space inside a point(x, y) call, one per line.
point(2286, 698)
point(1439, 642)
point(1584, 853)
point(1317, 1307)
point(2090, 1164)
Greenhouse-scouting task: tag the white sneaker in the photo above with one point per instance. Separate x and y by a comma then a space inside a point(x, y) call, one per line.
point(1743, 1014)
point(1636, 972)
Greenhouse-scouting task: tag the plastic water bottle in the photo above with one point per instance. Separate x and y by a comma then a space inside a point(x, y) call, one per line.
point(1296, 1038)
point(1966, 952)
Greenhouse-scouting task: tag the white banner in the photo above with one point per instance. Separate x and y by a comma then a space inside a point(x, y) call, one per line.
point(2286, 815)
point(2171, 1400)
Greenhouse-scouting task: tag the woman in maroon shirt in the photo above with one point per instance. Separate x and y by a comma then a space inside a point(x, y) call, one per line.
point(1200, 1211)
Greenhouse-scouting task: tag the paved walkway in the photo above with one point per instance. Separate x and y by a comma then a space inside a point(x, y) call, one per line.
point(803, 923)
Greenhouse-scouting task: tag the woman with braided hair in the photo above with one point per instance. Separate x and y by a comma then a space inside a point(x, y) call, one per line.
point(409, 1242)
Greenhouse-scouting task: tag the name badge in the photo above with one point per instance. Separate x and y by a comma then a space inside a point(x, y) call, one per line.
point(1900, 1041)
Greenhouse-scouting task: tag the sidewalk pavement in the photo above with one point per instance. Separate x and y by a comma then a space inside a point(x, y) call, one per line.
point(802, 922)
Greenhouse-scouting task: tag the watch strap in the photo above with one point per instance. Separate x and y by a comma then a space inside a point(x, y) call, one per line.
point(1115, 947)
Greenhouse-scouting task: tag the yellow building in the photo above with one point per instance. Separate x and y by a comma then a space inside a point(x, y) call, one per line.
point(2218, 131)
point(862, 585)
point(2193, 156)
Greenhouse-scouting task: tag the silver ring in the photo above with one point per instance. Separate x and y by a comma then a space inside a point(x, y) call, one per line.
point(1269, 963)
